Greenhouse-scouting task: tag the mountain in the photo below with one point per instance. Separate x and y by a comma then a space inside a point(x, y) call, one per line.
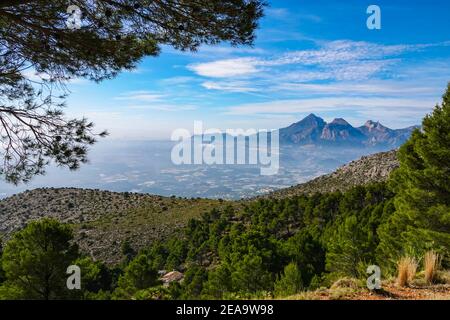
point(314, 130)
point(376, 132)
point(340, 131)
point(373, 168)
point(306, 131)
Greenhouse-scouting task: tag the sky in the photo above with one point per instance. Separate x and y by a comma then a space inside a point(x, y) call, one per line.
point(309, 57)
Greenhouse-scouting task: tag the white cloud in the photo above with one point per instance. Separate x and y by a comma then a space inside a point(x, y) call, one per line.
point(357, 104)
point(286, 15)
point(181, 80)
point(230, 86)
point(163, 107)
point(337, 60)
point(143, 96)
point(123, 125)
point(348, 68)
point(386, 88)
point(226, 68)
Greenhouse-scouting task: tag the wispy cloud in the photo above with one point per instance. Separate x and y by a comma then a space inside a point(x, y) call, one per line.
point(285, 15)
point(142, 96)
point(231, 86)
point(180, 80)
point(350, 58)
point(386, 88)
point(163, 107)
point(328, 104)
point(397, 112)
point(341, 60)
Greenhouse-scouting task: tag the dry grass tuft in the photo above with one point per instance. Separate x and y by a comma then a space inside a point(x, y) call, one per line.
point(345, 283)
point(406, 267)
point(431, 266)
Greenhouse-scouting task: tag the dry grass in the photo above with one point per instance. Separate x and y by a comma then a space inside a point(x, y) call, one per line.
point(306, 295)
point(345, 283)
point(406, 267)
point(431, 265)
point(353, 289)
point(443, 276)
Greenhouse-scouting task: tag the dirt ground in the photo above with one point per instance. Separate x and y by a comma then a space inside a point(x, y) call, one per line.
point(389, 291)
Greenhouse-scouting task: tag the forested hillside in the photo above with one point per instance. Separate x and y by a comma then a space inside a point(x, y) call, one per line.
point(104, 220)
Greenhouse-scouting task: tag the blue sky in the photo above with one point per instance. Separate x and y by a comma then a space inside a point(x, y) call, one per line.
point(309, 56)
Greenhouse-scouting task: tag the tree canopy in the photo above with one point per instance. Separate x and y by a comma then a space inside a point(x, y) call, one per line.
point(422, 217)
point(35, 260)
point(40, 54)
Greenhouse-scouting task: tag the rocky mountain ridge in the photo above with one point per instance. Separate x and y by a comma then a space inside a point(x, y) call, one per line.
point(315, 130)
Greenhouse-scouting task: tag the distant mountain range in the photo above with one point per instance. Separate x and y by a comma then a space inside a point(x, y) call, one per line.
point(314, 130)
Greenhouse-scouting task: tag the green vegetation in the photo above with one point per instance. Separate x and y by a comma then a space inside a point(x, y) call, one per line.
point(269, 247)
point(35, 261)
point(422, 204)
point(104, 221)
point(278, 245)
point(290, 282)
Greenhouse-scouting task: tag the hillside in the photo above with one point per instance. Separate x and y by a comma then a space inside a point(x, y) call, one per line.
point(103, 220)
point(372, 168)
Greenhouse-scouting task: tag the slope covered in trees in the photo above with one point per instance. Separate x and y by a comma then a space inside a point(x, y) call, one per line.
point(269, 245)
point(104, 219)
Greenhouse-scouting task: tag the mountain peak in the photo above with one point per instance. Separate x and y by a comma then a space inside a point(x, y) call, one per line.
point(340, 121)
point(372, 124)
point(309, 120)
point(307, 130)
point(312, 116)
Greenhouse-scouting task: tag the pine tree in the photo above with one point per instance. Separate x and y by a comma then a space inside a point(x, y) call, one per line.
point(290, 282)
point(347, 248)
point(249, 275)
point(139, 274)
point(219, 282)
point(308, 254)
point(422, 217)
point(35, 260)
